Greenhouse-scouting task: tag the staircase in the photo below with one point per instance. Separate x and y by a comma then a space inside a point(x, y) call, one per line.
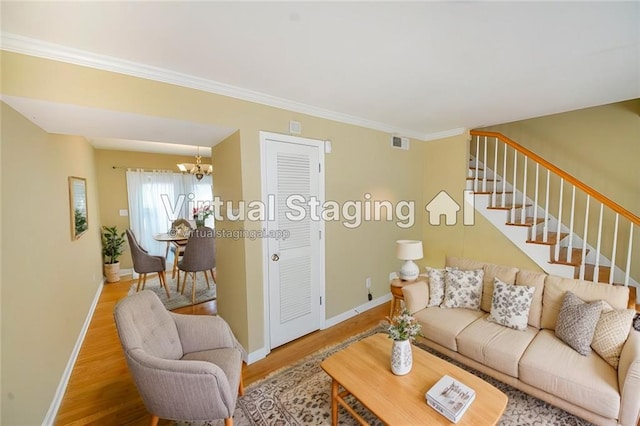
point(566, 227)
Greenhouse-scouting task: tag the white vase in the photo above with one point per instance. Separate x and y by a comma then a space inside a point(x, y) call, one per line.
point(401, 357)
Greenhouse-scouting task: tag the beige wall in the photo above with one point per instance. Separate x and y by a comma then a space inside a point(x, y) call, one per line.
point(446, 165)
point(230, 253)
point(112, 184)
point(48, 280)
point(362, 162)
point(599, 146)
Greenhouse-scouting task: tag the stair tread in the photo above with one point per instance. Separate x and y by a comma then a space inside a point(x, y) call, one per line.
point(589, 269)
point(509, 207)
point(482, 178)
point(576, 257)
point(551, 238)
point(528, 221)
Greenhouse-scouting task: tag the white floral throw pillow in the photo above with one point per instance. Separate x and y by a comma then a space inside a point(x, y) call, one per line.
point(436, 286)
point(510, 304)
point(463, 289)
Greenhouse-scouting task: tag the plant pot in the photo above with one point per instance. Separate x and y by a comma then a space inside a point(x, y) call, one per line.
point(401, 357)
point(112, 272)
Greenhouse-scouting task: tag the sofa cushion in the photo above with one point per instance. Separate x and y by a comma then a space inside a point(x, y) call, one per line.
point(495, 346)
point(577, 322)
point(506, 273)
point(587, 381)
point(611, 332)
point(555, 287)
point(511, 305)
point(443, 325)
point(533, 279)
point(436, 286)
point(463, 289)
point(416, 296)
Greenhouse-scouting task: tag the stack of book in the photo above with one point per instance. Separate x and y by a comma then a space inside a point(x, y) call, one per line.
point(450, 398)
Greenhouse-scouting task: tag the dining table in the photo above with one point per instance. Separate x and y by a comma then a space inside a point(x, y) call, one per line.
point(170, 238)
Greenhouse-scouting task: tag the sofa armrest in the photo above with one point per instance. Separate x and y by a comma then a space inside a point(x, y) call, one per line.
point(416, 296)
point(629, 380)
point(204, 332)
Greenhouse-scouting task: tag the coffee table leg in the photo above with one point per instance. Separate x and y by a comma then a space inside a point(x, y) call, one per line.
point(334, 402)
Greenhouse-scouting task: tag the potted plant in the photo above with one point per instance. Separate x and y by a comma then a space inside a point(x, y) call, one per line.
point(112, 249)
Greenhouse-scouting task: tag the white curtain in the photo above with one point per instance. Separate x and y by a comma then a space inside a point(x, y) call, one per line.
point(156, 198)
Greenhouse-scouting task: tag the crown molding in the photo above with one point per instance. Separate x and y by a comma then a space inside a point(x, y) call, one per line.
point(38, 48)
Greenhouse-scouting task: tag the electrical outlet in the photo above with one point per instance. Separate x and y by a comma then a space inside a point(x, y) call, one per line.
point(367, 283)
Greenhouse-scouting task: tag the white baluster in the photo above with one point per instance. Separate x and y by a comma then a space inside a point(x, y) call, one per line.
point(504, 173)
point(484, 162)
point(495, 173)
point(629, 250)
point(615, 246)
point(557, 253)
point(534, 228)
point(523, 214)
point(475, 178)
point(573, 205)
point(596, 268)
point(513, 192)
point(584, 239)
point(545, 228)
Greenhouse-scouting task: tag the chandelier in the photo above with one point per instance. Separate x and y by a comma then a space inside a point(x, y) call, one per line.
point(198, 169)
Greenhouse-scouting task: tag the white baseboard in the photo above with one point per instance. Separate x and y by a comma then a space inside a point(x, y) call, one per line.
point(50, 417)
point(357, 310)
point(263, 352)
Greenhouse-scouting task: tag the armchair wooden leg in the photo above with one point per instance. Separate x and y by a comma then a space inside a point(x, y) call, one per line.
point(154, 420)
point(241, 386)
point(144, 280)
point(228, 421)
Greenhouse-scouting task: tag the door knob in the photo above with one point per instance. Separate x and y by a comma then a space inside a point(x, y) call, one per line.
point(275, 257)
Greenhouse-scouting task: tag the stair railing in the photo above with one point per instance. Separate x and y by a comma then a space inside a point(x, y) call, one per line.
point(493, 151)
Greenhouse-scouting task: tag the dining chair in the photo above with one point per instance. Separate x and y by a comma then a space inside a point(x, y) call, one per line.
point(199, 256)
point(185, 367)
point(144, 263)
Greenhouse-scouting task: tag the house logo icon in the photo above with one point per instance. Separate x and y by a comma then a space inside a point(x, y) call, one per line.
point(443, 204)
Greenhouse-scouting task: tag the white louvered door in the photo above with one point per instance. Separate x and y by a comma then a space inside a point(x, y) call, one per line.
point(293, 169)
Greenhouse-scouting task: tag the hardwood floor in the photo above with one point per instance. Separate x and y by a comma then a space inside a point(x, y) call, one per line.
point(101, 391)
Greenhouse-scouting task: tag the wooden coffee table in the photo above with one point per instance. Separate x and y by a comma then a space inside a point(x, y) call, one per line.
point(363, 370)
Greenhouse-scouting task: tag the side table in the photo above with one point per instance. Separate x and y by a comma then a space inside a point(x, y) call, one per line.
point(396, 291)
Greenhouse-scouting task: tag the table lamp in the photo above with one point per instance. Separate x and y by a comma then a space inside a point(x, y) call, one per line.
point(409, 250)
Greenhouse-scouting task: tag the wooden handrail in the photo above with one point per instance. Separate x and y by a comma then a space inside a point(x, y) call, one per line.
point(566, 176)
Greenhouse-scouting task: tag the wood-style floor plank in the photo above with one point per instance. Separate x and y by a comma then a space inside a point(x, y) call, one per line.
point(101, 390)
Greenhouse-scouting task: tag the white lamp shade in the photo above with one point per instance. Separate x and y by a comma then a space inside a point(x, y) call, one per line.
point(409, 249)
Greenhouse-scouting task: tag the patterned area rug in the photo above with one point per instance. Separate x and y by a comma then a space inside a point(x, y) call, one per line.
point(177, 300)
point(301, 395)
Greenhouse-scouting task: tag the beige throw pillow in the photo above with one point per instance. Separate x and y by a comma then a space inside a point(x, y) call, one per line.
point(577, 322)
point(611, 332)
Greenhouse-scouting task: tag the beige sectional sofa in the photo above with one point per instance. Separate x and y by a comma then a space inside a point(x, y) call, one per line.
point(535, 360)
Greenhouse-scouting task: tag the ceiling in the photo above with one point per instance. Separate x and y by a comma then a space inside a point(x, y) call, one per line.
point(418, 69)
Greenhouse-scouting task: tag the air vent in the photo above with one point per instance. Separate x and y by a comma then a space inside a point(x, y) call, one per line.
point(400, 142)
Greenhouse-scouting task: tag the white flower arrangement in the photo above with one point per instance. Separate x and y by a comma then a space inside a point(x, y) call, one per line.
point(403, 326)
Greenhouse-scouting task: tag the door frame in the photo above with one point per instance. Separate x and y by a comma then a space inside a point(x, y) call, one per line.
point(319, 144)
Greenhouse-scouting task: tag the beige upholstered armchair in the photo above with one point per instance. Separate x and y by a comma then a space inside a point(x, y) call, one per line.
point(186, 367)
